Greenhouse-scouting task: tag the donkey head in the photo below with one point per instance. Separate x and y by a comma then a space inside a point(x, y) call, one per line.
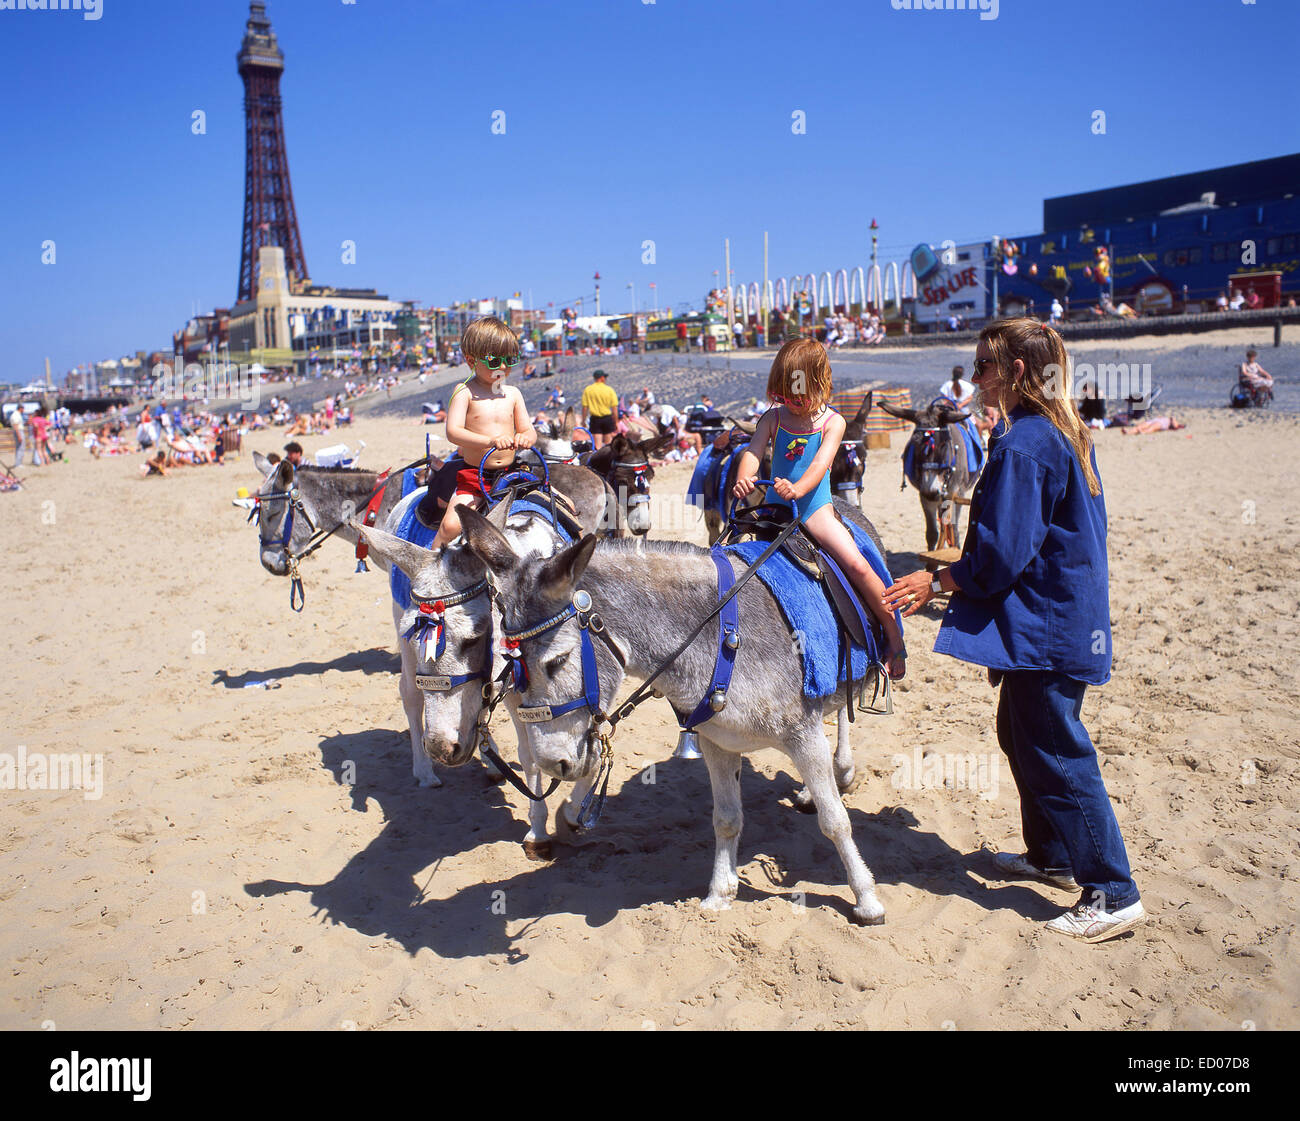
point(933, 451)
point(557, 442)
point(533, 589)
point(278, 532)
point(851, 456)
point(449, 649)
point(625, 464)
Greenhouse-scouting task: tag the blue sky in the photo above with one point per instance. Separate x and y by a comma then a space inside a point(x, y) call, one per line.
point(625, 122)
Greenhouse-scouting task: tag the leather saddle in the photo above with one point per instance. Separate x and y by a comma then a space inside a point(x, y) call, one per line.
point(764, 522)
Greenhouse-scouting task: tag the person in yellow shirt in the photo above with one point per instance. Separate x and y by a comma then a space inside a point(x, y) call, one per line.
point(599, 410)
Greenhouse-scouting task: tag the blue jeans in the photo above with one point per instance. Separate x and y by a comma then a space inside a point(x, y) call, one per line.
point(1065, 814)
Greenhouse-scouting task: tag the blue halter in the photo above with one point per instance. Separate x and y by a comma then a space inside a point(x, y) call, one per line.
point(431, 623)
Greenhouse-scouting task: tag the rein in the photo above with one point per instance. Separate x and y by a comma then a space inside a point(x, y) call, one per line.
point(580, 608)
point(293, 496)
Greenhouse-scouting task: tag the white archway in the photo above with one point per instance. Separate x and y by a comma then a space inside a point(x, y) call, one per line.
point(825, 292)
point(811, 289)
point(840, 295)
point(908, 281)
point(861, 278)
point(782, 302)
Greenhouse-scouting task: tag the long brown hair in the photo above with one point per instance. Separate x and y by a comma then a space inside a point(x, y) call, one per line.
point(1044, 387)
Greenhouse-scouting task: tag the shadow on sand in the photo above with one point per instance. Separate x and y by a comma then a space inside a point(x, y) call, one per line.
point(654, 845)
point(375, 660)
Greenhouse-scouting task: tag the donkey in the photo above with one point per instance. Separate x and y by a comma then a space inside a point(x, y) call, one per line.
point(851, 456)
point(642, 601)
point(329, 498)
point(443, 710)
point(721, 477)
point(555, 440)
point(935, 461)
point(624, 463)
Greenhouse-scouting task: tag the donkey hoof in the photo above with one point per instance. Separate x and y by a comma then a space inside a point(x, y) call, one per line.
point(868, 913)
point(538, 850)
point(803, 802)
point(428, 782)
point(852, 785)
point(715, 903)
point(494, 777)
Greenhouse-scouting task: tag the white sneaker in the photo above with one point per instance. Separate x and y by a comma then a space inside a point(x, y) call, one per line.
point(1019, 866)
point(1090, 924)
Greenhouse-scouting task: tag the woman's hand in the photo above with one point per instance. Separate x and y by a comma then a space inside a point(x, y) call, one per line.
point(910, 593)
point(743, 487)
point(785, 488)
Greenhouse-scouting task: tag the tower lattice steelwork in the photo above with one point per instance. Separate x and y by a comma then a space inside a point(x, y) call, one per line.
point(269, 214)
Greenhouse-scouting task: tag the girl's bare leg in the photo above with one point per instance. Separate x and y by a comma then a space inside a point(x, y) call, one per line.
point(835, 538)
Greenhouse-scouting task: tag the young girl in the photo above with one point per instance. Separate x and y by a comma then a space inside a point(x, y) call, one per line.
point(805, 434)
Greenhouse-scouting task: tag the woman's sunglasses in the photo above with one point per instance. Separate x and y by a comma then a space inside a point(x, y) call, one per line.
point(492, 362)
point(980, 363)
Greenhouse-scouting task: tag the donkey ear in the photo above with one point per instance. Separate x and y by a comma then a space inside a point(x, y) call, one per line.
point(562, 572)
point(566, 425)
point(602, 459)
point(486, 541)
point(498, 514)
point(657, 446)
point(284, 476)
point(866, 408)
point(908, 415)
point(410, 558)
point(262, 464)
point(952, 416)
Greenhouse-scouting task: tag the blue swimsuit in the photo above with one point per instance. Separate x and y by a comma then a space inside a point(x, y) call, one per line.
point(792, 455)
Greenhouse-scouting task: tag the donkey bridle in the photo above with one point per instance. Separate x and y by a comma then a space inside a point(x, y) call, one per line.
point(294, 498)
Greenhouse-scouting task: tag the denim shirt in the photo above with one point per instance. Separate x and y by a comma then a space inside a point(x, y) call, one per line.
point(1034, 583)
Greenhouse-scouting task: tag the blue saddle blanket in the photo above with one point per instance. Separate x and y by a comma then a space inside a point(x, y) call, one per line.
point(808, 611)
point(695, 489)
point(411, 529)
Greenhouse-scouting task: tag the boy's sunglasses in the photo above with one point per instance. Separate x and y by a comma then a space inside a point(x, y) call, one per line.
point(492, 362)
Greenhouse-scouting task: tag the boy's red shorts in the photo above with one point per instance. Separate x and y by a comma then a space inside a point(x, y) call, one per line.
point(467, 481)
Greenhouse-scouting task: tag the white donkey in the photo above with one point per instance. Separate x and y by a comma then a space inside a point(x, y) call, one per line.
point(443, 692)
point(647, 605)
point(297, 506)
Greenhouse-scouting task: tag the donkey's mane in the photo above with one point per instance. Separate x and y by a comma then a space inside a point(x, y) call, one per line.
point(337, 469)
point(670, 548)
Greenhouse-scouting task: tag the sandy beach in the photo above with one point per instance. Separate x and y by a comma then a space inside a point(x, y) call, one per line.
point(260, 858)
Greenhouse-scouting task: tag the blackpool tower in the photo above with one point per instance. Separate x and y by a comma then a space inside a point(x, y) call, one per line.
point(269, 214)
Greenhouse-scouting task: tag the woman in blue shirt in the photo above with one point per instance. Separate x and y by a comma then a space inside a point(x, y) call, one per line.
point(1030, 600)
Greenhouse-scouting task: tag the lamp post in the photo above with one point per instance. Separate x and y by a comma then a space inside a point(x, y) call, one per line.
point(598, 294)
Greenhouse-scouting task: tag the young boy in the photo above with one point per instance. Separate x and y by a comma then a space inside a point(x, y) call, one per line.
point(484, 415)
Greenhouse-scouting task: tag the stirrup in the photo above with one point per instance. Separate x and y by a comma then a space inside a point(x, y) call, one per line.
point(881, 688)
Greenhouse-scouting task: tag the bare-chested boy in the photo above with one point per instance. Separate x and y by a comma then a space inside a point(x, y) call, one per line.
point(484, 414)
